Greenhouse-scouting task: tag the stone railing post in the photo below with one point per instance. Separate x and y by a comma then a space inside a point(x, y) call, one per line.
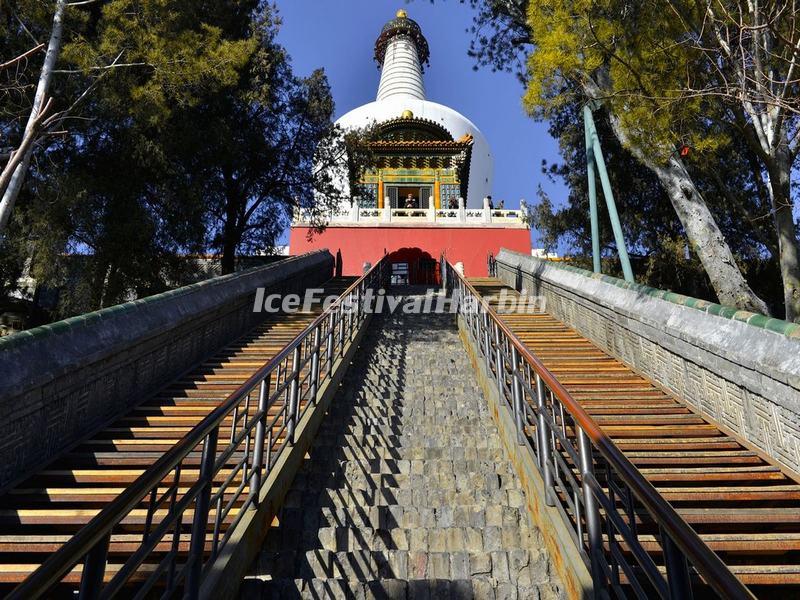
point(431, 210)
point(462, 211)
point(387, 214)
point(487, 212)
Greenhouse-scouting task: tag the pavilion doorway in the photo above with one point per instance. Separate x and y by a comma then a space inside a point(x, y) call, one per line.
point(420, 195)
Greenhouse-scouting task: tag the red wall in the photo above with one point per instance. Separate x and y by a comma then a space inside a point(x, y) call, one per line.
point(470, 245)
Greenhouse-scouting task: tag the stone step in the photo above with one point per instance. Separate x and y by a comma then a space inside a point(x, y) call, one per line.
point(409, 517)
point(366, 393)
point(407, 491)
point(432, 466)
point(341, 498)
point(459, 453)
point(392, 466)
point(424, 427)
point(393, 589)
point(377, 385)
point(433, 539)
point(436, 401)
point(461, 482)
point(376, 420)
point(522, 567)
point(374, 440)
point(381, 415)
point(439, 399)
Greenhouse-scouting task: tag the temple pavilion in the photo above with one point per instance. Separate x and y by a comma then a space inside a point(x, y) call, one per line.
point(416, 158)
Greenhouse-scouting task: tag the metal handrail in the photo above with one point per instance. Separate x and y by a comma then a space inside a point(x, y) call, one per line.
point(519, 373)
point(313, 352)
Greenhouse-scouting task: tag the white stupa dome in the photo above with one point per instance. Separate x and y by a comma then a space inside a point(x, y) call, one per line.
point(400, 50)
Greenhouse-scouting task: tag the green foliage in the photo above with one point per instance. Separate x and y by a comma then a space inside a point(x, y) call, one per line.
point(646, 65)
point(638, 54)
point(176, 51)
point(192, 134)
point(660, 253)
point(266, 148)
point(96, 190)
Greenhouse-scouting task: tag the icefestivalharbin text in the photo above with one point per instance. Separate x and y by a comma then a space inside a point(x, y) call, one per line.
point(379, 301)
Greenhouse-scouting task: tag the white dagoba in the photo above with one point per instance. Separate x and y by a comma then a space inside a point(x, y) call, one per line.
point(402, 89)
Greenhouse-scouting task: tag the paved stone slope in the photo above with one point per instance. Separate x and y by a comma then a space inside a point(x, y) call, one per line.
point(407, 492)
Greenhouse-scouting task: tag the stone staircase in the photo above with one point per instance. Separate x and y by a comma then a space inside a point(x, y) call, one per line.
point(407, 492)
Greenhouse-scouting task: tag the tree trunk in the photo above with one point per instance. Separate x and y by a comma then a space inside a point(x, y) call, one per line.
point(704, 235)
point(230, 240)
point(779, 171)
point(234, 225)
point(706, 238)
point(98, 294)
point(15, 184)
point(228, 262)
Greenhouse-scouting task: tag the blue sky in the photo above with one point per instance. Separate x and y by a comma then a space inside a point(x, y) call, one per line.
point(339, 36)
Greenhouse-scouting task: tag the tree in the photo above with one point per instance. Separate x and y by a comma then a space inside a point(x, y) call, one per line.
point(655, 237)
point(743, 58)
point(583, 51)
point(97, 194)
point(569, 54)
point(169, 57)
point(267, 148)
point(199, 137)
point(13, 174)
point(106, 229)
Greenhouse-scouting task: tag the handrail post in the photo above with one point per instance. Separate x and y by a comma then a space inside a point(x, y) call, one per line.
point(331, 340)
point(360, 306)
point(349, 307)
point(485, 336)
point(544, 441)
point(294, 403)
point(355, 311)
point(258, 449)
point(315, 366)
point(591, 510)
point(499, 364)
point(471, 310)
point(516, 389)
point(202, 503)
point(342, 317)
point(94, 569)
point(678, 579)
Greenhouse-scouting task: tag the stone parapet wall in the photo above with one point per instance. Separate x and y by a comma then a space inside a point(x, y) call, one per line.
point(61, 382)
point(744, 376)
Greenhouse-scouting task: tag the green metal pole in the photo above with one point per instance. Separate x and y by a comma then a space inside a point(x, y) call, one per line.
point(609, 196)
point(591, 180)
